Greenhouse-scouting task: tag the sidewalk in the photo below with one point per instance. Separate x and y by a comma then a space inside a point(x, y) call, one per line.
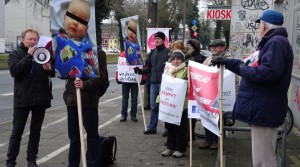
point(136, 149)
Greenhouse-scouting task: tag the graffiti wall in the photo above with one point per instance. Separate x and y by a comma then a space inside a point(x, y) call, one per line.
point(293, 26)
point(243, 32)
point(296, 39)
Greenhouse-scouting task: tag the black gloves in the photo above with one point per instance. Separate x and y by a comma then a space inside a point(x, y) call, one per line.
point(219, 61)
point(246, 63)
point(138, 70)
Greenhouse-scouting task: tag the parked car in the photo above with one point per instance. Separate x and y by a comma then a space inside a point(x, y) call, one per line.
point(110, 50)
point(7, 50)
point(116, 51)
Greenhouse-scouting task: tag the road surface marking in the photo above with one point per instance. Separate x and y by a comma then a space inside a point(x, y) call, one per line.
point(55, 122)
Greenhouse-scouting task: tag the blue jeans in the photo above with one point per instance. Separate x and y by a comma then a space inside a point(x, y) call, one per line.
point(90, 122)
point(126, 87)
point(154, 91)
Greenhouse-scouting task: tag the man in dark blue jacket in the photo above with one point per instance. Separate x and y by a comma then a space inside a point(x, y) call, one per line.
point(155, 65)
point(262, 96)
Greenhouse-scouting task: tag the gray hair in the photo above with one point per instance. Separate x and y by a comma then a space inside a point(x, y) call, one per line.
point(271, 26)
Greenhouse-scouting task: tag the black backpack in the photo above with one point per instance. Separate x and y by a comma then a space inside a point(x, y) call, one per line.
point(108, 150)
point(103, 71)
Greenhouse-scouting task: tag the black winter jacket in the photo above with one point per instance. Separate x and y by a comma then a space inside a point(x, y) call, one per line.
point(156, 62)
point(31, 81)
point(195, 56)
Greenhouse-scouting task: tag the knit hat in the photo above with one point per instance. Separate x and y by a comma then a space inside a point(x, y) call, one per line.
point(160, 35)
point(132, 26)
point(217, 42)
point(195, 44)
point(178, 54)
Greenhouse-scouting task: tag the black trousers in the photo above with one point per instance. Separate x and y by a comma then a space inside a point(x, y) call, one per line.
point(90, 122)
point(19, 121)
point(177, 139)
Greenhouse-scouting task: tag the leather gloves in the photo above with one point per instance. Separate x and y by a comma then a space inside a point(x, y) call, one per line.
point(137, 70)
point(219, 61)
point(246, 63)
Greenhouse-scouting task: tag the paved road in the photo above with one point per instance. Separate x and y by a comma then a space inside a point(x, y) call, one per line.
point(134, 148)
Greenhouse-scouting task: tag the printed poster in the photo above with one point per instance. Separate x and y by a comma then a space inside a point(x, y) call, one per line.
point(229, 96)
point(132, 40)
point(204, 90)
point(172, 96)
point(151, 34)
point(74, 38)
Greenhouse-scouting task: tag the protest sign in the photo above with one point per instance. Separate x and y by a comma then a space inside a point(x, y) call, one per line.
point(229, 96)
point(151, 35)
point(204, 90)
point(172, 96)
point(75, 49)
point(125, 72)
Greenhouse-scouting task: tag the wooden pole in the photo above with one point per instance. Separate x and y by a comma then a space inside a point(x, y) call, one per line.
point(221, 113)
point(141, 99)
point(79, 109)
point(190, 121)
point(191, 151)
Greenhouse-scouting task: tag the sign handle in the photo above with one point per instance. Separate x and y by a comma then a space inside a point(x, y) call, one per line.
point(141, 99)
point(79, 109)
point(221, 113)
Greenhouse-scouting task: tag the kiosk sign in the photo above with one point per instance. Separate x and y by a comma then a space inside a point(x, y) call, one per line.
point(218, 13)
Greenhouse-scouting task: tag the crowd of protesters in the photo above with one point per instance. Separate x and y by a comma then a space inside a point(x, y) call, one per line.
point(270, 73)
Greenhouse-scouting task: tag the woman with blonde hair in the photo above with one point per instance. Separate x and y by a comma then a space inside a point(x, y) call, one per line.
point(178, 44)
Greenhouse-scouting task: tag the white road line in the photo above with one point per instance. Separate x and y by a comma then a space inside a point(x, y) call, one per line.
point(6, 94)
point(110, 100)
point(55, 122)
point(51, 109)
point(64, 148)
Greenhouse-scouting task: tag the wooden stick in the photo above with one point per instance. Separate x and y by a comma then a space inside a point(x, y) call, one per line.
point(141, 99)
point(191, 151)
point(79, 109)
point(190, 120)
point(221, 113)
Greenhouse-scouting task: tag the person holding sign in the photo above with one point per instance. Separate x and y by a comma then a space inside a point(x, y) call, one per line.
point(262, 96)
point(176, 138)
point(193, 53)
point(217, 48)
point(133, 89)
point(75, 61)
point(155, 64)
